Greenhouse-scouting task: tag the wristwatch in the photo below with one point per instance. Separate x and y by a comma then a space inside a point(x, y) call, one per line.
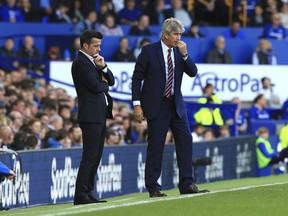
point(185, 55)
point(104, 67)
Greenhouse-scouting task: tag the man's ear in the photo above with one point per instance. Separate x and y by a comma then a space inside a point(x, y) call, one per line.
point(85, 45)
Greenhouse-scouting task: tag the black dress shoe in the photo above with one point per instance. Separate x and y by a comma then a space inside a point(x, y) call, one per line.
point(192, 189)
point(82, 200)
point(95, 200)
point(156, 193)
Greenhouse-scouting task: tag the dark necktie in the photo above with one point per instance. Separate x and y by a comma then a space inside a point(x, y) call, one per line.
point(168, 87)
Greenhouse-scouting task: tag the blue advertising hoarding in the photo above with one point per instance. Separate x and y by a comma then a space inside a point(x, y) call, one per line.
point(48, 176)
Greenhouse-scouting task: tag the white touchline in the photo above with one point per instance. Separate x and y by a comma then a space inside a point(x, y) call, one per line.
point(152, 200)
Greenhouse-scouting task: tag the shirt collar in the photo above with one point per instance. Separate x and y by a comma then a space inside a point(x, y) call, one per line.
point(88, 56)
point(164, 47)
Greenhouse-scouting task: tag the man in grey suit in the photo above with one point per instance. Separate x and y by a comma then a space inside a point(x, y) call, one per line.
point(92, 79)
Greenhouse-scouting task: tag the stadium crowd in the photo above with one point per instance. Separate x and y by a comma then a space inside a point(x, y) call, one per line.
point(35, 115)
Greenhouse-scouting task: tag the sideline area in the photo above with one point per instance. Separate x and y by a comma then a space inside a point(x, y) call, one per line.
point(241, 193)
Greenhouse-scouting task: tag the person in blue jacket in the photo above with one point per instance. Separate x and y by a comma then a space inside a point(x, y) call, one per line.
point(258, 110)
point(10, 12)
point(5, 172)
point(275, 30)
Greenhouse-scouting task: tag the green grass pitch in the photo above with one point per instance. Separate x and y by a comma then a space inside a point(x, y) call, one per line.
point(245, 197)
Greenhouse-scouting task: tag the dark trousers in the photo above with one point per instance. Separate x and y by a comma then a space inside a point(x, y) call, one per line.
point(157, 130)
point(93, 142)
point(279, 157)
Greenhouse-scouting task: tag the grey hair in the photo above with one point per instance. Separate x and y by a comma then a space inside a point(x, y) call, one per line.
point(170, 25)
point(55, 118)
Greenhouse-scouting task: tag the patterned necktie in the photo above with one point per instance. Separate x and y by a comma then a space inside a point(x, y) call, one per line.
point(168, 87)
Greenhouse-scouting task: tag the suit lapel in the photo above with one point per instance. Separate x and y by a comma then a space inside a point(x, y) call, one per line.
point(160, 56)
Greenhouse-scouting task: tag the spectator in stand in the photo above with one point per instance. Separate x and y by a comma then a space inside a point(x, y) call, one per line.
point(19, 105)
point(211, 12)
point(275, 29)
point(10, 12)
point(219, 55)
point(209, 116)
point(65, 112)
point(258, 110)
point(55, 122)
point(117, 5)
point(234, 31)
point(224, 131)
point(257, 18)
point(208, 134)
point(273, 101)
point(241, 121)
point(29, 12)
point(284, 110)
point(155, 11)
point(49, 106)
point(39, 93)
point(197, 133)
point(130, 13)
point(265, 154)
point(106, 9)
point(60, 15)
point(112, 137)
point(139, 134)
point(71, 53)
point(19, 140)
point(264, 54)
point(141, 44)
point(177, 11)
point(46, 8)
point(7, 137)
point(208, 91)
point(34, 126)
point(109, 28)
point(194, 31)
point(142, 28)
point(284, 15)
point(124, 110)
point(32, 142)
point(29, 51)
point(8, 49)
point(123, 54)
point(270, 6)
point(283, 136)
point(75, 135)
point(54, 54)
point(119, 127)
point(243, 8)
point(90, 22)
point(75, 13)
point(16, 120)
point(59, 140)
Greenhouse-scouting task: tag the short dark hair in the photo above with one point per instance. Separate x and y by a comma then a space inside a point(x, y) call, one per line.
point(257, 98)
point(88, 35)
point(263, 79)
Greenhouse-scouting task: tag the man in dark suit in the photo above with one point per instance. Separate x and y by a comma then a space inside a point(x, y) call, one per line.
point(161, 66)
point(92, 79)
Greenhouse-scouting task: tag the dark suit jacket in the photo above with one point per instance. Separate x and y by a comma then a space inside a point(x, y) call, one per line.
point(150, 67)
point(91, 89)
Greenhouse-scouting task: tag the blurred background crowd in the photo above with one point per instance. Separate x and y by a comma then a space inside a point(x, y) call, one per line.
point(35, 115)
